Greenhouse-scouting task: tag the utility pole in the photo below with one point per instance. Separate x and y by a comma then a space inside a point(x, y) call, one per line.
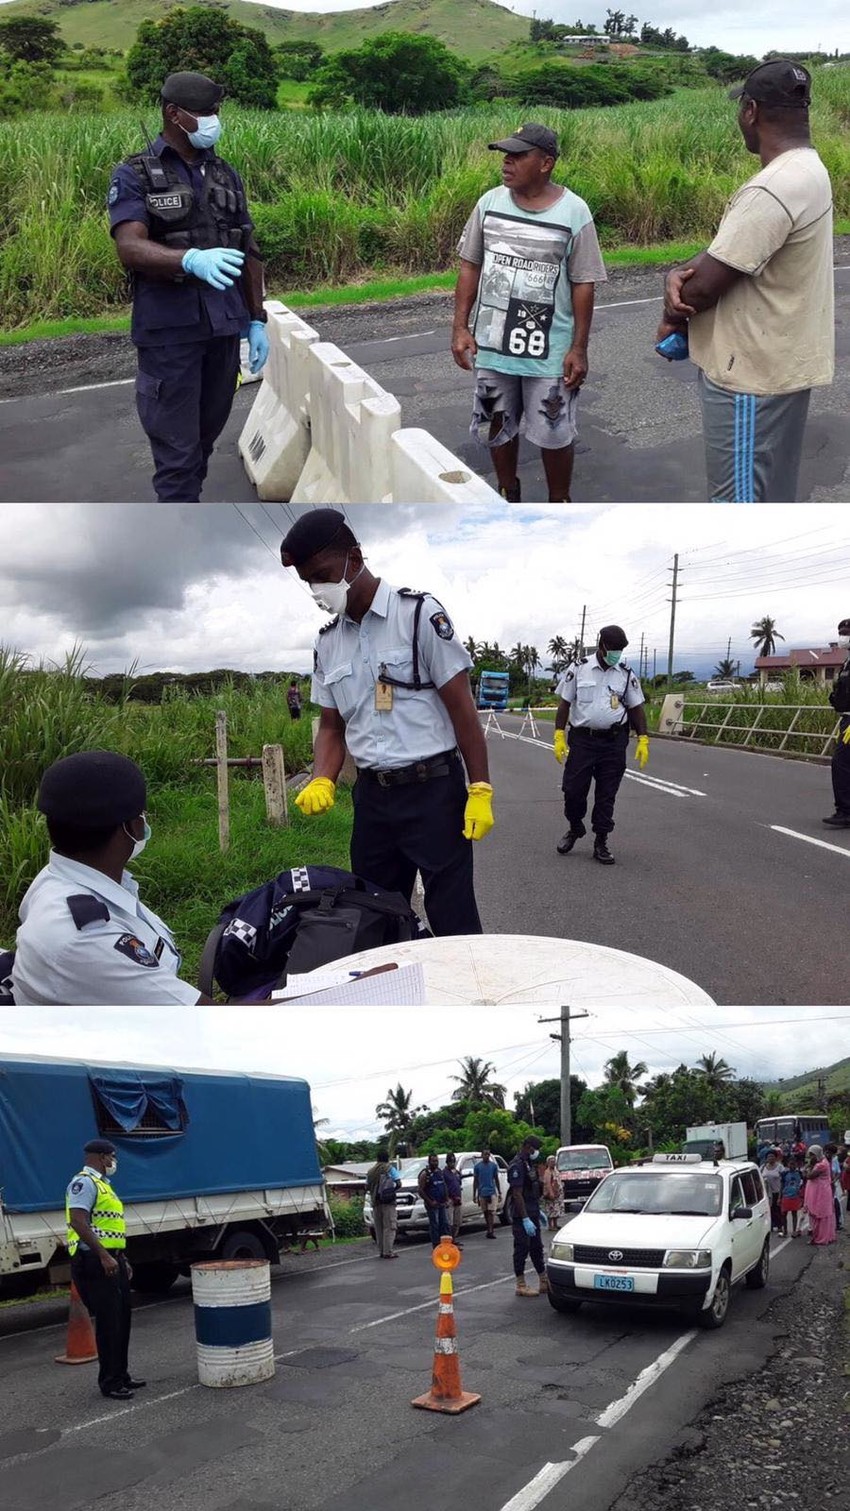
point(640, 657)
point(675, 585)
point(822, 1103)
point(654, 665)
point(581, 634)
point(565, 1020)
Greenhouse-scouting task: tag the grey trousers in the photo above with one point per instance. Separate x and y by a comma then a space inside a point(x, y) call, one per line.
point(386, 1221)
point(753, 444)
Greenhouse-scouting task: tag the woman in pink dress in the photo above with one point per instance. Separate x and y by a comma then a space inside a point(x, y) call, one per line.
point(818, 1199)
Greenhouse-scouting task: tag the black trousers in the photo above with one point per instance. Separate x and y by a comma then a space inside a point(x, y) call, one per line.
point(107, 1298)
point(602, 761)
point(525, 1247)
point(184, 395)
point(418, 826)
point(841, 771)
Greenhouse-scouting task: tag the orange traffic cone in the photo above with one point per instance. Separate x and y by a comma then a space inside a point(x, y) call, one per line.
point(445, 1393)
point(80, 1347)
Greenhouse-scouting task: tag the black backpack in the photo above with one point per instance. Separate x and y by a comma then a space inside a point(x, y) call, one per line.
point(7, 960)
point(303, 919)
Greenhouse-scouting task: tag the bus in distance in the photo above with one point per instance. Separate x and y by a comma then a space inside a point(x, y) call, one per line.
point(791, 1127)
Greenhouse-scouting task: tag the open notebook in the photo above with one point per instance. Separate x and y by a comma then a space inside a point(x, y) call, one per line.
point(401, 986)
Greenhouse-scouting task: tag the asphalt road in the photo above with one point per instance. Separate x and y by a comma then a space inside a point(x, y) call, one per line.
point(69, 430)
point(705, 879)
point(335, 1430)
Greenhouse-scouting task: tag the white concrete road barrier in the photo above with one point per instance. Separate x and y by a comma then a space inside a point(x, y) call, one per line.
point(351, 420)
point(424, 471)
point(275, 441)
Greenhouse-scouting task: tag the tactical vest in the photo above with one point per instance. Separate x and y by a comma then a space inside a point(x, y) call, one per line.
point(180, 219)
point(106, 1220)
point(839, 695)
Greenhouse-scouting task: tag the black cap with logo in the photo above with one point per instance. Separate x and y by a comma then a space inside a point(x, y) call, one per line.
point(531, 135)
point(781, 82)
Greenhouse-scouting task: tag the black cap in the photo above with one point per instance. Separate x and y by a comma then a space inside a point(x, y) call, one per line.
point(192, 91)
point(844, 627)
point(781, 82)
point(99, 1146)
point(614, 637)
point(531, 135)
point(313, 532)
point(92, 789)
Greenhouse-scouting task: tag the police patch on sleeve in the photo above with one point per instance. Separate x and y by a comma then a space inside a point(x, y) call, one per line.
point(114, 191)
point(443, 625)
point(76, 1187)
point(135, 950)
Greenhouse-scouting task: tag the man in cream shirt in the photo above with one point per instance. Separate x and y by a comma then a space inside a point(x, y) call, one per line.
point(758, 305)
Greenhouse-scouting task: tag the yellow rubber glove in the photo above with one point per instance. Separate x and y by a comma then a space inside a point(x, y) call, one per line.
point(845, 738)
point(317, 796)
point(478, 814)
point(642, 750)
point(560, 746)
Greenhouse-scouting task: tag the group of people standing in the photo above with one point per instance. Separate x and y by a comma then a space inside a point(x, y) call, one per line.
point(814, 1181)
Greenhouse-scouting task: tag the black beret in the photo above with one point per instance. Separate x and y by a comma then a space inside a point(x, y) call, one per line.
point(98, 1146)
point(92, 789)
point(192, 91)
point(614, 637)
point(314, 531)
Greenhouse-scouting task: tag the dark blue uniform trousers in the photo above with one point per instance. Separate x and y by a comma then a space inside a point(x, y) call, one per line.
point(593, 758)
point(528, 1248)
point(184, 395)
point(107, 1298)
point(841, 770)
point(418, 826)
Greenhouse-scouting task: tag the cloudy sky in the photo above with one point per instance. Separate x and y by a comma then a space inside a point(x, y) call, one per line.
point(188, 588)
point(757, 28)
point(352, 1056)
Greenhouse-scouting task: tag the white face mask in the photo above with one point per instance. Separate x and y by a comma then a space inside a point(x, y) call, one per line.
point(844, 642)
point(112, 1167)
point(333, 596)
point(207, 131)
point(138, 844)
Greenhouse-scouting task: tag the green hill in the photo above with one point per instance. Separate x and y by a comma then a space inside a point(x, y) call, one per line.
point(801, 1090)
point(475, 29)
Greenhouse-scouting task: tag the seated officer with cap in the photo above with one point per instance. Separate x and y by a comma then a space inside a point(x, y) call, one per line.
point(392, 680)
point(600, 697)
point(182, 229)
point(85, 938)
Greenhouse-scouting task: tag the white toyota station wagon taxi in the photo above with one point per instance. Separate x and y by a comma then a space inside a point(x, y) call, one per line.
point(677, 1232)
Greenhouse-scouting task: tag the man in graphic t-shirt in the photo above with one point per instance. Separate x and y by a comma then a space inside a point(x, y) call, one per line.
point(758, 304)
point(523, 309)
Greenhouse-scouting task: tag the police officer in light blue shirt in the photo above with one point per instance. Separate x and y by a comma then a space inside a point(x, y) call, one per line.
point(392, 680)
point(600, 699)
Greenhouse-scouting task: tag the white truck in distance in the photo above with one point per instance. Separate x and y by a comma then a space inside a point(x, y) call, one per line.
point(701, 1140)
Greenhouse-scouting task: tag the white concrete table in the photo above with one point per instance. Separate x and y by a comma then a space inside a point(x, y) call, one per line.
point(484, 969)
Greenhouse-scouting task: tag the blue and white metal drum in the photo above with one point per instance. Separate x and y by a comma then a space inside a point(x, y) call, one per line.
point(233, 1321)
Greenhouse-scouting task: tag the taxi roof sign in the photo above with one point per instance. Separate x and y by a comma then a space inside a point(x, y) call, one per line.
point(677, 1159)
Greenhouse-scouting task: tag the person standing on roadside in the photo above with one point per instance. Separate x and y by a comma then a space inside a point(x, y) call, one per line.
point(293, 700)
point(526, 1216)
point(553, 1193)
point(454, 1189)
point(182, 229)
point(486, 1189)
point(96, 1240)
point(382, 1182)
point(530, 261)
point(758, 305)
point(818, 1198)
point(432, 1189)
point(792, 1196)
point(839, 697)
point(772, 1173)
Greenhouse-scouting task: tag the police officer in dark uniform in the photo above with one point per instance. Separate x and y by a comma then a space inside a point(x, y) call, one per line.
point(839, 697)
point(526, 1216)
point(600, 698)
point(392, 680)
point(183, 231)
point(96, 1240)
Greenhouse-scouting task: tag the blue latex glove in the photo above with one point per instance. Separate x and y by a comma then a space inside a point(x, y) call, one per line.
point(219, 266)
point(543, 1220)
point(529, 1226)
point(258, 346)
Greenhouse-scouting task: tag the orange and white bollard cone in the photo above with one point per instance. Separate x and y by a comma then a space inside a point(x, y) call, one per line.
point(446, 1393)
point(80, 1347)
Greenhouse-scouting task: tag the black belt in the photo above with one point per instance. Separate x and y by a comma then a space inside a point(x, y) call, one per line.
point(599, 734)
point(419, 771)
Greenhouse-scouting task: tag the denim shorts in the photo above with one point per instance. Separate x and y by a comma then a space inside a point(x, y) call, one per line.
point(541, 409)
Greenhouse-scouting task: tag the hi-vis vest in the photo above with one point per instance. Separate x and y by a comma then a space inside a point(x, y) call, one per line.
point(106, 1219)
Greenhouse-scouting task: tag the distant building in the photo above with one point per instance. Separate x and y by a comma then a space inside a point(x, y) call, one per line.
point(817, 665)
point(586, 42)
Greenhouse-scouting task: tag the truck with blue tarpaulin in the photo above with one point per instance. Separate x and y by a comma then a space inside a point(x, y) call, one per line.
point(210, 1164)
point(493, 689)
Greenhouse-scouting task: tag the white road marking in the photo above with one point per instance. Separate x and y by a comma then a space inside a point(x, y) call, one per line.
point(363, 1327)
point(125, 1411)
point(647, 1377)
point(546, 1479)
point(810, 840)
point(672, 789)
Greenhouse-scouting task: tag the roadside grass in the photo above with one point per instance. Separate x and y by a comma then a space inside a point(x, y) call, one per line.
point(760, 716)
point(342, 196)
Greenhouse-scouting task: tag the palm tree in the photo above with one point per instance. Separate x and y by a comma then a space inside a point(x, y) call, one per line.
point(764, 635)
point(725, 669)
point(474, 1084)
point(321, 1148)
point(472, 648)
point(619, 1072)
point(558, 648)
point(517, 656)
point(398, 1115)
point(714, 1071)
